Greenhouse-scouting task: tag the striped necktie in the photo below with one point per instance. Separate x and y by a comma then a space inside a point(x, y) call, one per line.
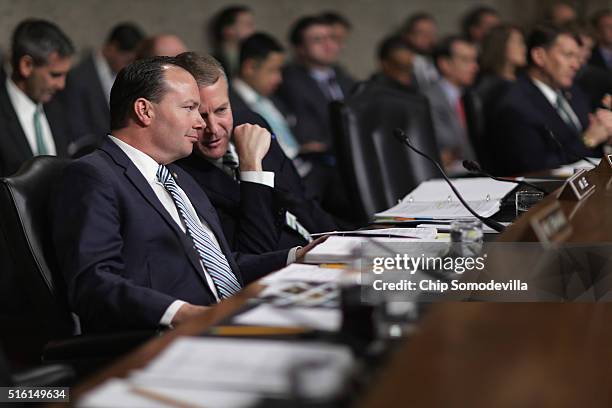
point(564, 110)
point(212, 258)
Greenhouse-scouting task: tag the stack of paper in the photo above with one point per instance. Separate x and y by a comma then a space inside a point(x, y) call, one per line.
point(304, 273)
point(212, 372)
point(269, 315)
point(569, 169)
point(423, 232)
point(434, 199)
point(346, 249)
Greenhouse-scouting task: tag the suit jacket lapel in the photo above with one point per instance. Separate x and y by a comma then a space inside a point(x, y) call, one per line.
point(135, 177)
point(15, 131)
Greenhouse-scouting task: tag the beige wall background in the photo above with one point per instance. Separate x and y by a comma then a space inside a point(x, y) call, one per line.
point(88, 21)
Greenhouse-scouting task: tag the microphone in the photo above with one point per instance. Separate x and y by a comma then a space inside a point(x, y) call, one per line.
point(566, 149)
point(475, 168)
point(401, 136)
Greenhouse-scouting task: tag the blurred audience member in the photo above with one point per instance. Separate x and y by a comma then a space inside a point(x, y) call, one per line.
point(420, 33)
point(456, 59)
point(544, 121)
point(310, 84)
point(162, 45)
point(341, 27)
point(477, 23)
point(561, 13)
point(395, 59)
point(259, 76)
point(312, 81)
point(227, 29)
point(32, 121)
point(88, 85)
point(502, 55)
point(594, 81)
point(602, 53)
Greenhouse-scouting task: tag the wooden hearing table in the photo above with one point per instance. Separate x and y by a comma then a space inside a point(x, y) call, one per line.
point(476, 354)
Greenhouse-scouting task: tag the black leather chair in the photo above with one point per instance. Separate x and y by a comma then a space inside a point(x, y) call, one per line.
point(25, 205)
point(376, 168)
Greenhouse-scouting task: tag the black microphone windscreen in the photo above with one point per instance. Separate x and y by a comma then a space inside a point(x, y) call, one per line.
point(471, 165)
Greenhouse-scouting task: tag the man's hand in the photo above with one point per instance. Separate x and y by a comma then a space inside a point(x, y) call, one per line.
point(600, 128)
point(252, 143)
point(186, 312)
point(300, 253)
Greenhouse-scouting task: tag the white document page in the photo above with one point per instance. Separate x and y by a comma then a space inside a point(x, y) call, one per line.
point(304, 273)
point(268, 315)
point(119, 393)
point(250, 366)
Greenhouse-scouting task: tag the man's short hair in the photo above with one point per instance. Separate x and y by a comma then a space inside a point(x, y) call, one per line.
point(126, 36)
point(444, 49)
point(545, 36)
point(205, 69)
point(333, 17)
point(224, 18)
point(296, 33)
point(474, 17)
point(258, 46)
point(391, 44)
point(144, 78)
point(413, 20)
point(39, 39)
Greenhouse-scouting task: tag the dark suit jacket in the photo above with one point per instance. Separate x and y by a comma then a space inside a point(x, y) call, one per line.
point(124, 258)
point(253, 215)
point(86, 101)
point(595, 82)
point(597, 60)
point(304, 98)
point(14, 147)
point(520, 133)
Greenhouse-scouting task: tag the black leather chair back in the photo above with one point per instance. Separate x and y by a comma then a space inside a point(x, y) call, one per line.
point(377, 169)
point(25, 205)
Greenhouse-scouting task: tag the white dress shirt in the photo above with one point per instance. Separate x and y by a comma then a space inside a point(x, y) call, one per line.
point(25, 108)
point(264, 106)
point(148, 167)
point(106, 75)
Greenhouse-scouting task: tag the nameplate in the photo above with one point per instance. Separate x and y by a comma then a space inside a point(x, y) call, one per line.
point(577, 187)
point(550, 224)
point(605, 166)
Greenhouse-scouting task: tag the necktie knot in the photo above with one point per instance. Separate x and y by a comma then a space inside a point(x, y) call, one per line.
point(163, 174)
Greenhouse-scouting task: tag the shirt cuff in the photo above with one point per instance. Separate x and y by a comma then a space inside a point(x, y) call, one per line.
point(166, 319)
point(291, 255)
point(260, 177)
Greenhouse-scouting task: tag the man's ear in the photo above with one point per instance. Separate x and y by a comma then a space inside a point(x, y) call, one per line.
point(144, 111)
point(25, 66)
point(248, 67)
point(538, 55)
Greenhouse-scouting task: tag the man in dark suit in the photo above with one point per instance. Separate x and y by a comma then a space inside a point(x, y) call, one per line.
point(137, 239)
point(259, 76)
point(313, 81)
point(88, 85)
point(310, 84)
point(32, 121)
point(263, 207)
point(602, 53)
point(543, 122)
